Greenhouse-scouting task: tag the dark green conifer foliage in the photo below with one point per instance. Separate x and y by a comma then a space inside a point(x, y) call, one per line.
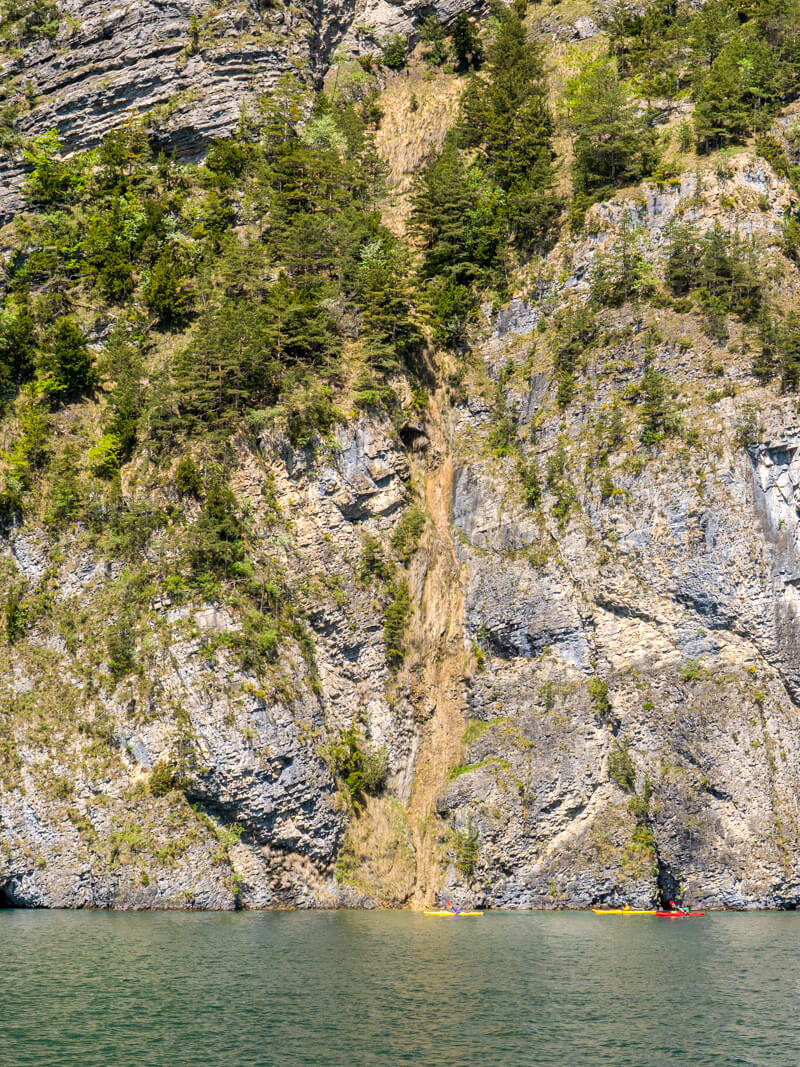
point(394, 53)
point(780, 349)
point(622, 273)
point(68, 362)
point(168, 290)
point(124, 364)
point(658, 418)
point(432, 34)
point(458, 216)
point(739, 93)
point(386, 318)
point(614, 143)
point(506, 116)
point(720, 268)
point(711, 28)
point(228, 363)
point(466, 43)
point(228, 158)
point(684, 260)
point(51, 181)
point(730, 272)
point(216, 545)
point(644, 45)
point(17, 346)
point(576, 329)
point(188, 480)
point(65, 499)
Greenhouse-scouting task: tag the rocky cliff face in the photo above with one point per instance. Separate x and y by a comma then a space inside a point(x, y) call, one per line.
point(189, 65)
point(599, 697)
point(672, 584)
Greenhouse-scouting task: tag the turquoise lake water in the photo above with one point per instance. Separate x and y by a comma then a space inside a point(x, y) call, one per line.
point(361, 988)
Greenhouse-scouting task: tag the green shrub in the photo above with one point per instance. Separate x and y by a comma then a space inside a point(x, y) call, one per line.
point(502, 439)
point(120, 646)
point(229, 158)
point(67, 362)
point(406, 536)
point(375, 769)
point(27, 18)
point(531, 486)
point(643, 837)
point(258, 640)
point(216, 545)
point(163, 779)
point(372, 563)
point(560, 484)
point(187, 478)
point(395, 621)
point(576, 331)
point(309, 412)
point(621, 769)
point(746, 431)
point(691, 670)
point(362, 770)
point(467, 848)
point(598, 690)
point(394, 53)
point(15, 612)
point(65, 499)
point(104, 456)
point(654, 393)
point(51, 181)
point(434, 36)
point(621, 274)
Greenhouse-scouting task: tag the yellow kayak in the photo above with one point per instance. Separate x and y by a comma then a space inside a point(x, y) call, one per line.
point(453, 914)
point(624, 911)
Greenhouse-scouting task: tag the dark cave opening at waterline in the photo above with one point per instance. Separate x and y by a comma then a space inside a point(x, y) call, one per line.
point(6, 901)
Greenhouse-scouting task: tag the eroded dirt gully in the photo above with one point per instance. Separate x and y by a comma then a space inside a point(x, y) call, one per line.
point(439, 660)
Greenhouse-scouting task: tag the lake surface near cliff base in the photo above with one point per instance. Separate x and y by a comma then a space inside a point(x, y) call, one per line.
point(362, 988)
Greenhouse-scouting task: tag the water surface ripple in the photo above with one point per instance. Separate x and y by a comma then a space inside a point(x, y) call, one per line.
point(361, 988)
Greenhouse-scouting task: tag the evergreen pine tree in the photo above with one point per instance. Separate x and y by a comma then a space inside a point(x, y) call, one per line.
point(684, 260)
point(458, 218)
point(506, 115)
point(739, 93)
point(68, 363)
point(466, 43)
point(614, 143)
point(17, 341)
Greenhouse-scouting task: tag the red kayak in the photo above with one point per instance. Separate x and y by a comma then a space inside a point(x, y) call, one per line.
point(679, 914)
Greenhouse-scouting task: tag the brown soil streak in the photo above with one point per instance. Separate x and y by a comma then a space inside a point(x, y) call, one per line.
point(439, 643)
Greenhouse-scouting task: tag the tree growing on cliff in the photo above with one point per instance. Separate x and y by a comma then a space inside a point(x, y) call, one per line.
point(738, 95)
point(613, 140)
point(17, 345)
point(67, 363)
point(466, 43)
point(507, 118)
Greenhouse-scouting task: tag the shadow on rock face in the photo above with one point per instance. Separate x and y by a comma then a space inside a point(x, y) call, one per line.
point(6, 900)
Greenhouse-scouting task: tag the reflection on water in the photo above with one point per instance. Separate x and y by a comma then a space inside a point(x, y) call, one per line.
point(359, 988)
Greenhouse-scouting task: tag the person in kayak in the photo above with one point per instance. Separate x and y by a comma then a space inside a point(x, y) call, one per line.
point(455, 908)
